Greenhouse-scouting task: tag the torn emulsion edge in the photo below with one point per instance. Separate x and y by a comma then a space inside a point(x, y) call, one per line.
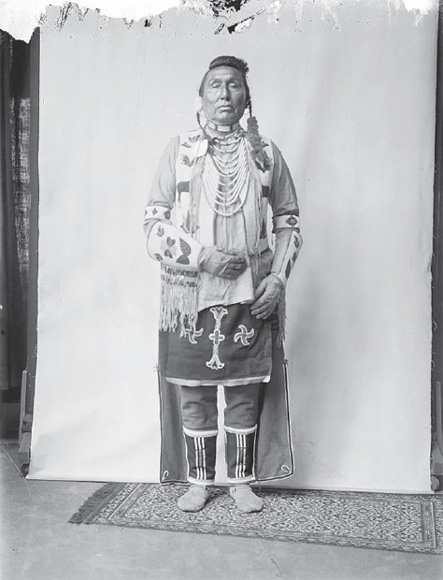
point(20, 19)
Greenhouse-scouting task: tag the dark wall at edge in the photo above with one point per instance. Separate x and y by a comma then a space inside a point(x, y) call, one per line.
point(33, 236)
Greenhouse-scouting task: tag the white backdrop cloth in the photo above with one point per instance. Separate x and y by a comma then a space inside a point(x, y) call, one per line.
point(350, 102)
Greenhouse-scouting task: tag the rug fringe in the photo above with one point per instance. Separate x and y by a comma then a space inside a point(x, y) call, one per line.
point(92, 502)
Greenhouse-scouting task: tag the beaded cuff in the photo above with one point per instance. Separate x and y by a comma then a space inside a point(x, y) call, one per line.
point(285, 256)
point(172, 247)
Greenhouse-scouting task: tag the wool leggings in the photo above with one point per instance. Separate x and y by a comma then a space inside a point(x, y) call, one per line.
point(200, 428)
point(200, 413)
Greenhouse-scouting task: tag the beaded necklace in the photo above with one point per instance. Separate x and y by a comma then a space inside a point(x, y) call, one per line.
point(226, 174)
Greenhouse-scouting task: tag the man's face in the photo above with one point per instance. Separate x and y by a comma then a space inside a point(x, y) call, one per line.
point(224, 96)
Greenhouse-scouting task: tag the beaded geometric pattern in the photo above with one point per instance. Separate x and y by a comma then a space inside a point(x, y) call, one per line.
point(411, 523)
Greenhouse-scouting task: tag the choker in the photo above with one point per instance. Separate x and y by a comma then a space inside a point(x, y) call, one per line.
point(223, 128)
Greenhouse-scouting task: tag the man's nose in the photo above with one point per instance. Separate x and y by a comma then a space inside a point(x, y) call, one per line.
point(225, 93)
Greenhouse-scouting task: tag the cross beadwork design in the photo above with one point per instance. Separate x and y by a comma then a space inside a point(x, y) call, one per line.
point(216, 337)
point(244, 335)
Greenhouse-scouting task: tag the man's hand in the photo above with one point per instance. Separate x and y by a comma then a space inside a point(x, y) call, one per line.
point(267, 296)
point(220, 264)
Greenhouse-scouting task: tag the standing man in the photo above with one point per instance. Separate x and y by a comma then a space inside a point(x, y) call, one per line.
point(222, 302)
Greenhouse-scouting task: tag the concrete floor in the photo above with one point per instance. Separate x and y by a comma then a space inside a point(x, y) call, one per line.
point(37, 543)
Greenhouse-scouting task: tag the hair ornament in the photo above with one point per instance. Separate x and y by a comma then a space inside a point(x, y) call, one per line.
point(258, 145)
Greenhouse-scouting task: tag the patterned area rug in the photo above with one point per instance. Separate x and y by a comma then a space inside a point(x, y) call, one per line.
point(411, 523)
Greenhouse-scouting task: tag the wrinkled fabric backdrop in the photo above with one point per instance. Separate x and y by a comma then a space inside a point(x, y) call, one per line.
point(349, 99)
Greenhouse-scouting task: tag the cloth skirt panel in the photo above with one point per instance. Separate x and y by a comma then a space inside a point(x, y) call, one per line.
point(229, 347)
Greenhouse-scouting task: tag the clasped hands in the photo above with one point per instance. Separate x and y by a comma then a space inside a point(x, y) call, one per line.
point(220, 263)
point(230, 266)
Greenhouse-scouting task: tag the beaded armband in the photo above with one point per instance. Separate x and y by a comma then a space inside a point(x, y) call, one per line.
point(286, 222)
point(157, 212)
